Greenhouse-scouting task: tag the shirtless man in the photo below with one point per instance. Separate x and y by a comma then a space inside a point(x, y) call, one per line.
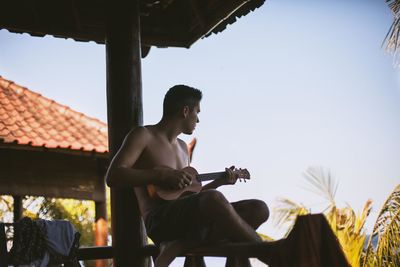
point(206, 215)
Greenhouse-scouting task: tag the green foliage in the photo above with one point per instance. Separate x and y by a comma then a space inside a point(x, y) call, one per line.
point(265, 237)
point(348, 226)
point(287, 212)
point(349, 229)
point(6, 207)
point(392, 38)
point(387, 230)
point(80, 213)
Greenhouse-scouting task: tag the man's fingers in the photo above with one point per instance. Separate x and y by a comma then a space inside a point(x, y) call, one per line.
point(230, 176)
point(184, 181)
point(188, 178)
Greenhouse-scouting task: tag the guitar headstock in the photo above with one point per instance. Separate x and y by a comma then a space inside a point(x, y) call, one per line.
point(242, 173)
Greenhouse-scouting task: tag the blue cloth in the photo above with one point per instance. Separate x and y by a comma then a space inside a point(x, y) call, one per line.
point(59, 236)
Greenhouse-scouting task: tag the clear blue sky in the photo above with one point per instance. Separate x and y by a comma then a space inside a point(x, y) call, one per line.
point(292, 85)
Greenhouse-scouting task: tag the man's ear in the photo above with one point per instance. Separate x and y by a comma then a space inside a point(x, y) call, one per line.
point(185, 111)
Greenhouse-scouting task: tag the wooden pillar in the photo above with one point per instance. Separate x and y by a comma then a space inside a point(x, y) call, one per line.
point(101, 216)
point(124, 110)
point(101, 229)
point(18, 208)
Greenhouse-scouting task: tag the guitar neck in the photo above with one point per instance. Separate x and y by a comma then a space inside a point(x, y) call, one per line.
point(210, 176)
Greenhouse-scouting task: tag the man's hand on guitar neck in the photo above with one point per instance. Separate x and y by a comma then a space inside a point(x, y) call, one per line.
point(231, 177)
point(174, 179)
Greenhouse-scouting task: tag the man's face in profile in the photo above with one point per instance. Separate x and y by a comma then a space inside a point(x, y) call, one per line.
point(192, 119)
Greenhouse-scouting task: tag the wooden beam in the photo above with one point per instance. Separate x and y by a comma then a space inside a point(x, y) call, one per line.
point(93, 253)
point(101, 229)
point(18, 208)
point(75, 15)
point(246, 249)
point(74, 152)
point(38, 173)
point(199, 14)
point(101, 218)
point(3, 245)
point(124, 110)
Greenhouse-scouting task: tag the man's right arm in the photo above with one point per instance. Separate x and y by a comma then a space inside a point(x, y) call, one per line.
point(120, 171)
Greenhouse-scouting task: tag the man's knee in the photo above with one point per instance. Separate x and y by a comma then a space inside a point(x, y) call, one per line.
point(261, 210)
point(212, 198)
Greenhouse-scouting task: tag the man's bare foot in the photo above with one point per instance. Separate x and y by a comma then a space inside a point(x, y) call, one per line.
point(169, 250)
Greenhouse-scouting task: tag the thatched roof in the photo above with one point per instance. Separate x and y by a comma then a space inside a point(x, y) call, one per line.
point(164, 23)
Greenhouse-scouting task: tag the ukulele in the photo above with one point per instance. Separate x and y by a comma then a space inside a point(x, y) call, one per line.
point(195, 186)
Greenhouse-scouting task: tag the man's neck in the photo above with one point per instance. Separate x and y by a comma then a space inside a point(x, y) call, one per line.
point(170, 128)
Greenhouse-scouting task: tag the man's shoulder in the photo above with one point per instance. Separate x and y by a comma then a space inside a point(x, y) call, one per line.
point(138, 133)
point(139, 130)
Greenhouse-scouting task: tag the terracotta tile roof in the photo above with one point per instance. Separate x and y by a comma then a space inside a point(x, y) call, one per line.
point(28, 118)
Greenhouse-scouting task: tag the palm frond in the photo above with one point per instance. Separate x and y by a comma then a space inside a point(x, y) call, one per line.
point(392, 37)
point(265, 237)
point(360, 222)
point(349, 230)
point(394, 6)
point(7, 202)
point(388, 250)
point(387, 229)
point(322, 183)
point(345, 218)
point(6, 206)
point(287, 211)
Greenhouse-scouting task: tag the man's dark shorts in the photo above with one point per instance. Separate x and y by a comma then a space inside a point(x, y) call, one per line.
point(177, 219)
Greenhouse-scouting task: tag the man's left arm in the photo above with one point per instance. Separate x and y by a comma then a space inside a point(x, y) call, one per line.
point(230, 178)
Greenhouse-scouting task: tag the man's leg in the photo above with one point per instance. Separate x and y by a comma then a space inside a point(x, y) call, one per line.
point(236, 221)
point(255, 212)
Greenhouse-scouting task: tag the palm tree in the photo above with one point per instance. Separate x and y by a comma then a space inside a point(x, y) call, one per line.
point(348, 226)
point(392, 38)
point(387, 230)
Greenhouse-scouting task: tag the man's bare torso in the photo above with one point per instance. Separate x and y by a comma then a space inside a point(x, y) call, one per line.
point(159, 152)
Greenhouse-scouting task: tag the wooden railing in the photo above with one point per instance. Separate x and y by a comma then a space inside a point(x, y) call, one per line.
point(311, 243)
point(219, 250)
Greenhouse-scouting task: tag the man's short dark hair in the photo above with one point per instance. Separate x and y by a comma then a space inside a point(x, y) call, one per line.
point(179, 96)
